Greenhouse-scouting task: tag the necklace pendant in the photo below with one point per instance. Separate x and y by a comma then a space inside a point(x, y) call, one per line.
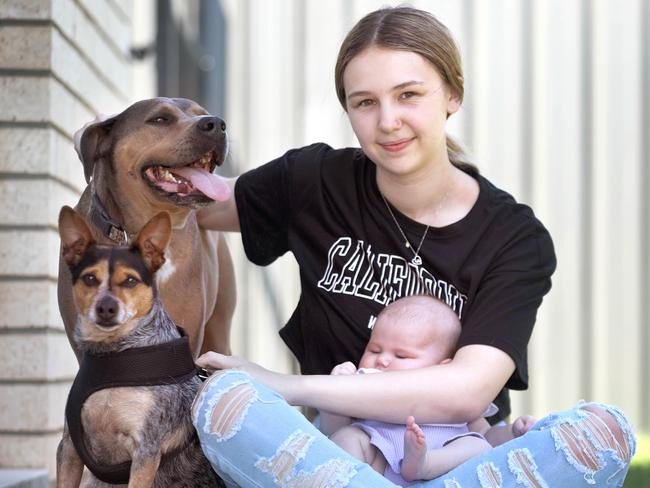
point(417, 260)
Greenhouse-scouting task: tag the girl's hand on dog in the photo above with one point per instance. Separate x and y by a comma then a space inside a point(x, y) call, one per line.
point(281, 383)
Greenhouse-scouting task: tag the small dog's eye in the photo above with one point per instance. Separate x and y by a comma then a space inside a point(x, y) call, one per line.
point(90, 280)
point(130, 282)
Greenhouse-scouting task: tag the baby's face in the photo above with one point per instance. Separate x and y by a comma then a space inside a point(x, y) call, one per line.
point(397, 346)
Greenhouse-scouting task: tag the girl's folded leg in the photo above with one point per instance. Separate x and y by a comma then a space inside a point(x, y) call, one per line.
point(252, 437)
point(589, 445)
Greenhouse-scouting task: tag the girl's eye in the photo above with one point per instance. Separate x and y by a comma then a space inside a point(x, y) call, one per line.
point(130, 282)
point(365, 103)
point(408, 94)
point(90, 280)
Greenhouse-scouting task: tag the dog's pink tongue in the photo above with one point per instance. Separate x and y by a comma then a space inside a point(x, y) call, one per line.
point(209, 184)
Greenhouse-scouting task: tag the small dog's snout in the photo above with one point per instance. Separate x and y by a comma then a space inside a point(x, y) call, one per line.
point(209, 124)
point(106, 310)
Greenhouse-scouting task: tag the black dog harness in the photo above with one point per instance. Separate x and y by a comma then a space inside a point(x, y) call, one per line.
point(161, 364)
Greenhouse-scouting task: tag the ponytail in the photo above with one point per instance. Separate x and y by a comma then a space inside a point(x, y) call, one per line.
point(458, 157)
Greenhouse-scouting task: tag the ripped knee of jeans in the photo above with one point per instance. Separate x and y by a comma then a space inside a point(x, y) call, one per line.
point(598, 431)
point(225, 408)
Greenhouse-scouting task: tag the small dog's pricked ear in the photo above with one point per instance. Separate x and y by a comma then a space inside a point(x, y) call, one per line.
point(153, 239)
point(95, 141)
point(75, 235)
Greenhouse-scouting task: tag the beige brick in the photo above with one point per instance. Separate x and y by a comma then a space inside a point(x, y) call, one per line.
point(66, 111)
point(38, 356)
point(40, 151)
point(107, 57)
point(20, 9)
point(41, 99)
point(25, 47)
point(24, 150)
point(33, 202)
point(33, 407)
point(29, 253)
point(25, 99)
point(27, 304)
point(68, 65)
point(108, 20)
point(28, 451)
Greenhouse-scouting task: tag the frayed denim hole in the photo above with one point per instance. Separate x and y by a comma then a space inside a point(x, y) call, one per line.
point(452, 484)
point(232, 413)
point(583, 449)
point(335, 473)
point(523, 466)
point(280, 466)
point(624, 425)
point(489, 475)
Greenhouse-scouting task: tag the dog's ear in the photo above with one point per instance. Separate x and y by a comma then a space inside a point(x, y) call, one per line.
point(94, 144)
point(153, 239)
point(75, 234)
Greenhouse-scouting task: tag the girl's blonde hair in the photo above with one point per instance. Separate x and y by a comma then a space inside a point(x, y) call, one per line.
point(408, 29)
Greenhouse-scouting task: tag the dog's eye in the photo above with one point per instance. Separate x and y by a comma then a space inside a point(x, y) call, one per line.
point(90, 280)
point(159, 119)
point(130, 282)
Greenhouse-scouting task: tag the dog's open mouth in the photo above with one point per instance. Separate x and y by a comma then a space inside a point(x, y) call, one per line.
point(191, 180)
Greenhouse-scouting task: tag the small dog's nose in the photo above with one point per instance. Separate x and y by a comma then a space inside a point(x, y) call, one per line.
point(106, 310)
point(209, 124)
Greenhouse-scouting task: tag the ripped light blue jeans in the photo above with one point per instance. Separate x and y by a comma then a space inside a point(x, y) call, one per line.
point(253, 438)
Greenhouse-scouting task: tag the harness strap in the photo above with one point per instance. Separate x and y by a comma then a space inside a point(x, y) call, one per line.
point(161, 364)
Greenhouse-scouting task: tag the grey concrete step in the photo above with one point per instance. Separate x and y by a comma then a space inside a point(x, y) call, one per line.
point(24, 478)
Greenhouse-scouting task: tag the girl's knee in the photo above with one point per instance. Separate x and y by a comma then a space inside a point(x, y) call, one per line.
point(611, 429)
point(599, 436)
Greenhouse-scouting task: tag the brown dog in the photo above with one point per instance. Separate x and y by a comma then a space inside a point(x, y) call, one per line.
point(159, 154)
point(128, 413)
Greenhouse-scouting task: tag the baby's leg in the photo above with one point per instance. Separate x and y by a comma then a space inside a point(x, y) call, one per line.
point(422, 464)
point(356, 442)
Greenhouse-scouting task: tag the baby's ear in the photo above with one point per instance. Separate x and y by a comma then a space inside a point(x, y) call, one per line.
point(445, 361)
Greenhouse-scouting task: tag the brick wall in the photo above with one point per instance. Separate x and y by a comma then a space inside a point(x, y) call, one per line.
point(61, 62)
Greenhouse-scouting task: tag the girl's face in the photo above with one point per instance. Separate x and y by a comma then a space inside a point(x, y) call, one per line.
point(398, 106)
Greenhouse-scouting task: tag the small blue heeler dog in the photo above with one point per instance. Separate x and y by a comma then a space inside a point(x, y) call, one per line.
point(128, 413)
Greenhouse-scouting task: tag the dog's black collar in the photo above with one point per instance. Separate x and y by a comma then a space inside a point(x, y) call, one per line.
point(162, 364)
point(102, 220)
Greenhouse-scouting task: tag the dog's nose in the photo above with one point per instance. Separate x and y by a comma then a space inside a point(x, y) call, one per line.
point(106, 310)
point(209, 124)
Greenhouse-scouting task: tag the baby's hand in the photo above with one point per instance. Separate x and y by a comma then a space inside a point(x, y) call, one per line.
point(522, 425)
point(345, 368)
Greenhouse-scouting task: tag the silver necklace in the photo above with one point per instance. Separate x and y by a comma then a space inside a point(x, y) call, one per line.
point(417, 260)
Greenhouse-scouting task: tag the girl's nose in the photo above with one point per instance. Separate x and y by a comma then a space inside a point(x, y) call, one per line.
point(389, 118)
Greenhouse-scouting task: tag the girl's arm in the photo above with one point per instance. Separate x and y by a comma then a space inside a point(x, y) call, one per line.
point(331, 422)
point(458, 391)
point(221, 215)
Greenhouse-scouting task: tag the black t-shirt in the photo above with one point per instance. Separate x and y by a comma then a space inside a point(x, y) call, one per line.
point(492, 267)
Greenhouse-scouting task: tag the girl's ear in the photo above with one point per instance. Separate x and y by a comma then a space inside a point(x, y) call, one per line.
point(453, 104)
